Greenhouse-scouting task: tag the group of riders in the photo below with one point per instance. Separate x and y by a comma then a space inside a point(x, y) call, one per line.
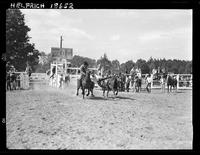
point(130, 80)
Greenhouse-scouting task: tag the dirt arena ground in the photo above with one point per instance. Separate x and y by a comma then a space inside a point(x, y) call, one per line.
point(52, 118)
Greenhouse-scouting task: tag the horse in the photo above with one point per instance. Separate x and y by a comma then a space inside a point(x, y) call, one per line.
point(85, 83)
point(171, 83)
point(121, 82)
point(138, 84)
point(109, 83)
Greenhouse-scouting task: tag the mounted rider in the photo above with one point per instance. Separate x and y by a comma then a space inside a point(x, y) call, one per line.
point(83, 70)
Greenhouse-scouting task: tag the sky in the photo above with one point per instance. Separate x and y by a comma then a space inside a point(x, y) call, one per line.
point(123, 34)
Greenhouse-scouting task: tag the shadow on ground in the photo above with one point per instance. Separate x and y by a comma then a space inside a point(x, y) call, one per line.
point(110, 98)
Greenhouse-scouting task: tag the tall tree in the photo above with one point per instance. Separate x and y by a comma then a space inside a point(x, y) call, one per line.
point(151, 64)
point(77, 61)
point(18, 49)
point(105, 63)
point(115, 66)
point(127, 66)
point(142, 64)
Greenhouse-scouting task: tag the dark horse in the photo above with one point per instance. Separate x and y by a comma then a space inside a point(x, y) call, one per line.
point(121, 82)
point(171, 83)
point(110, 83)
point(138, 84)
point(85, 83)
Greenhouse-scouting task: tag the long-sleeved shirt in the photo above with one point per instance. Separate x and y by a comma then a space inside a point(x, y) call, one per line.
point(149, 80)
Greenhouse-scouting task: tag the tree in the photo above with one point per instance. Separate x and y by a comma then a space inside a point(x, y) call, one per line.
point(142, 64)
point(188, 68)
point(43, 58)
point(44, 63)
point(105, 63)
point(115, 66)
point(127, 66)
point(77, 61)
point(151, 64)
point(18, 49)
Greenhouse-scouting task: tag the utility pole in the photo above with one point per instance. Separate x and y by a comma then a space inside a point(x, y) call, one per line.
point(61, 51)
point(61, 39)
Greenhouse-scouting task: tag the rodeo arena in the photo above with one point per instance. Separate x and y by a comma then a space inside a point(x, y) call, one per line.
point(59, 110)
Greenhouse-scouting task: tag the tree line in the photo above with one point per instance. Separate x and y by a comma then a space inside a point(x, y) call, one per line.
point(175, 66)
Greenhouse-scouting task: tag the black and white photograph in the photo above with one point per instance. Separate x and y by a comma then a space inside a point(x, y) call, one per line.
point(99, 79)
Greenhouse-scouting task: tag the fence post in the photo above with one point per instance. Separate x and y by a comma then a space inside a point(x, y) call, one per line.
point(177, 78)
point(151, 80)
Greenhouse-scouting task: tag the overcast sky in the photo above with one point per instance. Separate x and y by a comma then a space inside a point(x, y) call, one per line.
point(122, 34)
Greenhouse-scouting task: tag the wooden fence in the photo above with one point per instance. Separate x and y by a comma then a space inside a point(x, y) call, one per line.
point(184, 81)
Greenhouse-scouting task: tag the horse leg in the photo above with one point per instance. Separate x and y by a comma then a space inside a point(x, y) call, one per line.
point(113, 91)
point(92, 92)
point(107, 93)
point(78, 86)
point(104, 93)
point(77, 90)
point(14, 88)
point(88, 92)
point(168, 87)
point(117, 91)
point(11, 86)
point(136, 88)
point(83, 92)
point(147, 88)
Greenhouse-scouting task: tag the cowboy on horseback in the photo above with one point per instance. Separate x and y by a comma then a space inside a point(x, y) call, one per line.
point(84, 82)
point(83, 69)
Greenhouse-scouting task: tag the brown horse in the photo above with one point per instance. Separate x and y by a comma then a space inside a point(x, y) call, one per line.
point(171, 83)
point(85, 83)
point(138, 84)
point(109, 84)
